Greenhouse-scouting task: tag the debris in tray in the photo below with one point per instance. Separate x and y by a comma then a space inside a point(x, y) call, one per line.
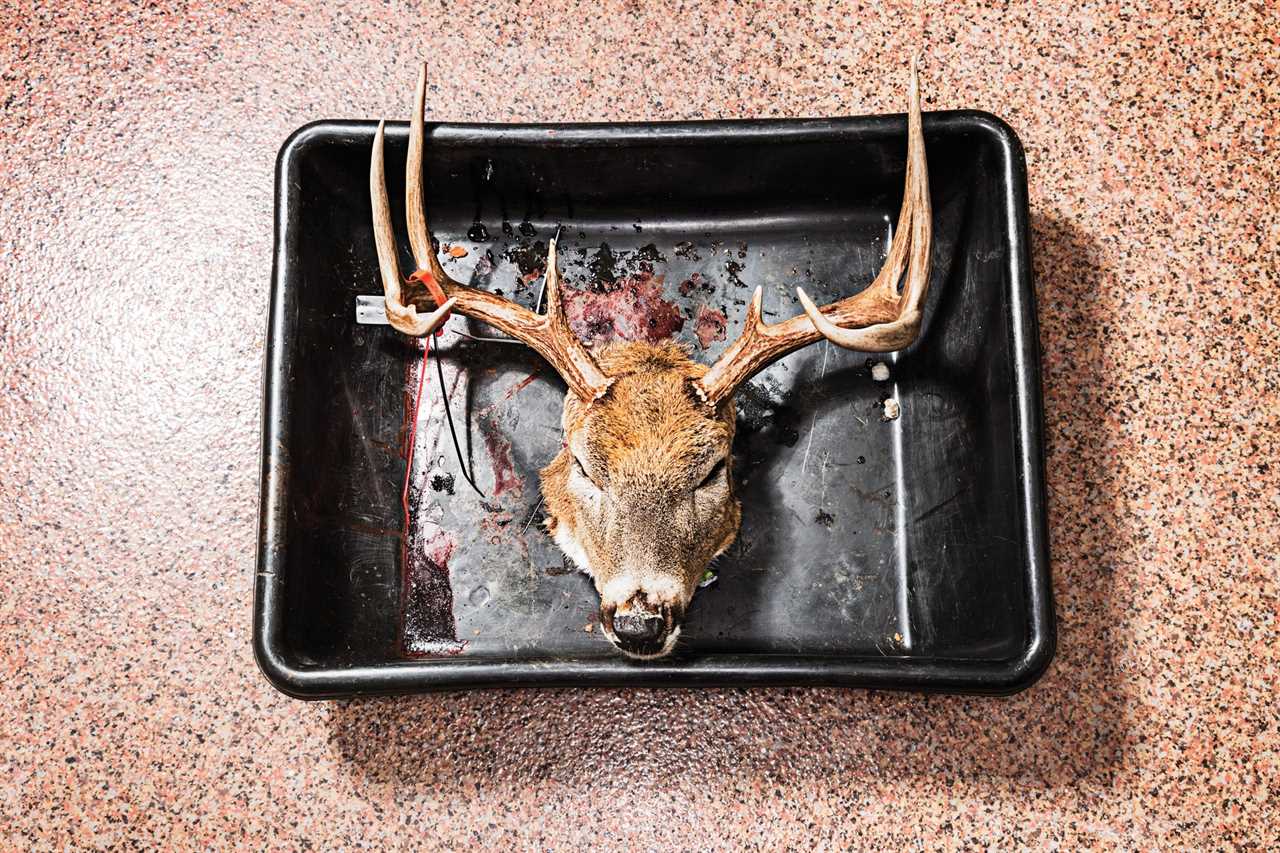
point(891, 409)
point(602, 267)
point(530, 259)
point(456, 251)
point(685, 249)
point(697, 282)
point(557, 569)
point(732, 268)
point(880, 372)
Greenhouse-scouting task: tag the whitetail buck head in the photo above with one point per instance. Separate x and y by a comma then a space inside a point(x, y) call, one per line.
point(641, 496)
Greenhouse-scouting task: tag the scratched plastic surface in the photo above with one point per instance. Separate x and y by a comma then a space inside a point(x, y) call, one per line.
point(903, 553)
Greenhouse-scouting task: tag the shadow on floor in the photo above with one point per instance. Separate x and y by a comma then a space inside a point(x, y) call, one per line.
point(1070, 725)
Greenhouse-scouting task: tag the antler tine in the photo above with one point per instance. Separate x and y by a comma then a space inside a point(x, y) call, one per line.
point(551, 285)
point(549, 335)
point(403, 318)
point(876, 319)
point(415, 208)
point(915, 228)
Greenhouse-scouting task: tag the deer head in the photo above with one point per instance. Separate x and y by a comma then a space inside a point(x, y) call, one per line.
point(641, 495)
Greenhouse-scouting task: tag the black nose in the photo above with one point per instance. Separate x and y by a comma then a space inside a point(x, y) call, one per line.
point(639, 629)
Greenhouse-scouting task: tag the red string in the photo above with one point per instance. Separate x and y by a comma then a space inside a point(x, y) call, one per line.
point(413, 439)
point(436, 291)
point(437, 294)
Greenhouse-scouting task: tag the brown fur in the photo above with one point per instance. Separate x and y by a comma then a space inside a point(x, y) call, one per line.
point(640, 519)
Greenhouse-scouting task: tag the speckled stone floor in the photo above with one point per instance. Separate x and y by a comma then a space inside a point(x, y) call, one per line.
point(136, 155)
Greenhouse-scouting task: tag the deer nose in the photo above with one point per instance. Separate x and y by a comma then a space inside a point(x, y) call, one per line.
point(637, 630)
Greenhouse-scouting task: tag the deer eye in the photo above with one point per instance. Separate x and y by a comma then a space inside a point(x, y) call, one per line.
point(583, 471)
point(713, 475)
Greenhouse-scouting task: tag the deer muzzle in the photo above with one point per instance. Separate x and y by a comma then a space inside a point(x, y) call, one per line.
point(640, 628)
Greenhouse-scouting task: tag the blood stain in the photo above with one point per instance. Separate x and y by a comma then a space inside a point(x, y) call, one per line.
point(427, 622)
point(429, 625)
point(521, 385)
point(709, 325)
point(633, 310)
point(498, 447)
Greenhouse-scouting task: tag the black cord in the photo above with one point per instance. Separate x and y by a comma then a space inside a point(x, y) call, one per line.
point(444, 391)
point(448, 413)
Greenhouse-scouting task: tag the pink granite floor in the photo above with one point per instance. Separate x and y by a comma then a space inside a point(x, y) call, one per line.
point(136, 153)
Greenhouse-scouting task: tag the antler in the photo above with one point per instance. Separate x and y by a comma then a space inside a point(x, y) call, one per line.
point(877, 319)
point(548, 334)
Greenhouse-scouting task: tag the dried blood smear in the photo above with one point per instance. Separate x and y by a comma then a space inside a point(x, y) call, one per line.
point(428, 625)
point(633, 310)
point(709, 325)
point(498, 446)
point(520, 386)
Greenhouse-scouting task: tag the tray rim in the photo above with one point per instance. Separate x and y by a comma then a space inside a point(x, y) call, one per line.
point(714, 670)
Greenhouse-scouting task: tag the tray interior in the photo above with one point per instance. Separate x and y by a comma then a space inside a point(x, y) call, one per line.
point(861, 537)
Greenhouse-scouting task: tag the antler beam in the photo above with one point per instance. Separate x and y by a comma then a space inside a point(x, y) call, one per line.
point(878, 319)
point(548, 334)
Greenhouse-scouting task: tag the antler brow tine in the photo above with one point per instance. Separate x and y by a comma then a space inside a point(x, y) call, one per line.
point(876, 319)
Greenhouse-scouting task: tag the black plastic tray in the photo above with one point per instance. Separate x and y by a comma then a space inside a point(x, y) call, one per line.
point(893, 554)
